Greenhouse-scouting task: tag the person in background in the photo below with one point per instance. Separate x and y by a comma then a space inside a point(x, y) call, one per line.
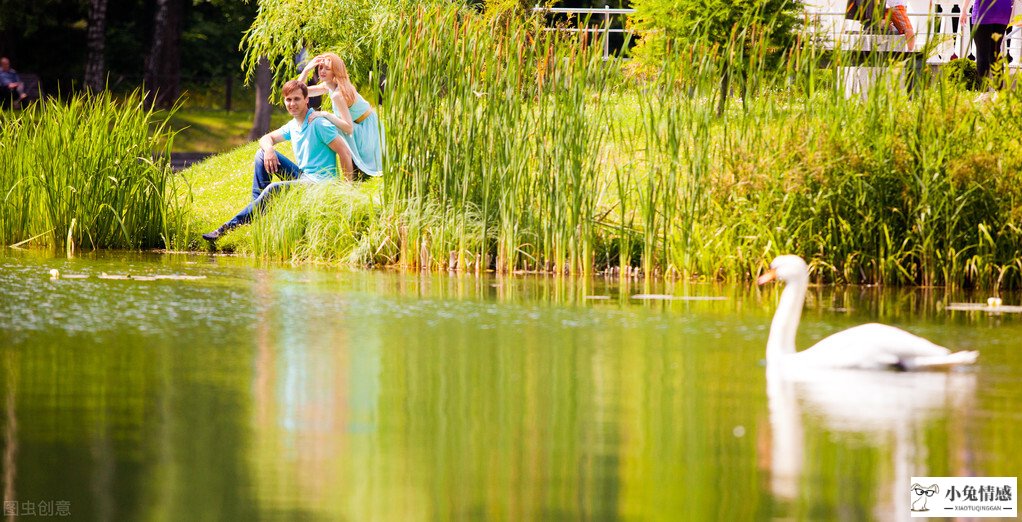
point(990, 20)
point(897, 15)
point(359, 125)
point(315, 144)
point(10, 82)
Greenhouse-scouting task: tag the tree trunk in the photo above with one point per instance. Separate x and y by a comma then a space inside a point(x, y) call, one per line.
point(228, 88)
point(163, 64)
point(261, 122)
point(95, 63)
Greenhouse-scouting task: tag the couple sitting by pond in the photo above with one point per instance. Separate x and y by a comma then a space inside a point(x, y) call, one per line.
point(352, 134)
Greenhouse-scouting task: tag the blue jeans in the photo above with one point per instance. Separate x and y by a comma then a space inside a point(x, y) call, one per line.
point(263, 186)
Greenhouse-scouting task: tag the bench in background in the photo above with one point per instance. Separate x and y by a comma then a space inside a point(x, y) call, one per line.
point(33, 88)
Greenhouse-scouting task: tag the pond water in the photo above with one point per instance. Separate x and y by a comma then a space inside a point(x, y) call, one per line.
point(262, 392)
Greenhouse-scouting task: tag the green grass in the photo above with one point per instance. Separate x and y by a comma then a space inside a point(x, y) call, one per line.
point(219, 188)
point(522, 149)
point(202, 124)
point(216, 130)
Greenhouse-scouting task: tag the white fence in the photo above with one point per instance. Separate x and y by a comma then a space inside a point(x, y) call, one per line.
point(931, 20)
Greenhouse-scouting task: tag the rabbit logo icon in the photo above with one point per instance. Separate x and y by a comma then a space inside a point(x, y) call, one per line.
point(920, 494)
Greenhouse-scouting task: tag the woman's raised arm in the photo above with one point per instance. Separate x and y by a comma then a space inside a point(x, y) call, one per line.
point(314, 90)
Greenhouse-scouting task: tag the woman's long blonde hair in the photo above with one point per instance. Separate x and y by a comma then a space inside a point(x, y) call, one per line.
point(340, 74)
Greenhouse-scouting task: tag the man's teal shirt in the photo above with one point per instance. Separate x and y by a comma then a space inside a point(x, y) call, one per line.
point(309, 140)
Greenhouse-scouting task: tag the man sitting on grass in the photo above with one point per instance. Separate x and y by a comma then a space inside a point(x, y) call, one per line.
point(315, 142)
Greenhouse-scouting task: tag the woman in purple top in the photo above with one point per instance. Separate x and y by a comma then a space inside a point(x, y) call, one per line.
point(989, 25)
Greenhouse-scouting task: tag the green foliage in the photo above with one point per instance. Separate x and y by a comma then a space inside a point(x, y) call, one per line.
point(493, 122)
point(210, 39)
point(731, 31)
point(48, 37)
point(960, 72)
point(91, 172)
point(503, 11)
point(44, 37)
point(354, 29)
point(518, 148)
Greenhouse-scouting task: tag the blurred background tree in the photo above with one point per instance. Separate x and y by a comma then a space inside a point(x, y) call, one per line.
point(52, 38)
point(724, 32)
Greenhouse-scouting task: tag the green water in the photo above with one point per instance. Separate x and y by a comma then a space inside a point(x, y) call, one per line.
point(275, 393)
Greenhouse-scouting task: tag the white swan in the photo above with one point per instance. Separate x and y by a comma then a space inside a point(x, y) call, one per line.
point(869, 346)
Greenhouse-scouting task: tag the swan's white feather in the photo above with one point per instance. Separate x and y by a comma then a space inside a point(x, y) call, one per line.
point(869, 347)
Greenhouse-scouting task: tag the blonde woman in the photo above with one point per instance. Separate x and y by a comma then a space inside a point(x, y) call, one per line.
point(359, 124)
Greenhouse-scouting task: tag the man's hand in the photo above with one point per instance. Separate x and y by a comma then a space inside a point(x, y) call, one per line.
point(270, 161)
point(266, 143)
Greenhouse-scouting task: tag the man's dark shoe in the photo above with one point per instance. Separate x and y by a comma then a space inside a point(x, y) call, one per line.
point(214, 235)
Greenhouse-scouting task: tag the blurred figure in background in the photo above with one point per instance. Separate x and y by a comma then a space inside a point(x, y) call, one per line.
point(897, 15)
point(10, 83)
point(989, 25)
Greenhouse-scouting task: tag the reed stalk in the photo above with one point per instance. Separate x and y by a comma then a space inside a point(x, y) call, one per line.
point(518, 148)
point(89, 172)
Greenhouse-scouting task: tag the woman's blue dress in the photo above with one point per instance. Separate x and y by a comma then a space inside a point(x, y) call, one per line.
point(366, 140)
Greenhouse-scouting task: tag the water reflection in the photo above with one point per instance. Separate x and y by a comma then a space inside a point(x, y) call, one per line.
point(266, 392)
point(10, 432)
point(894, 413)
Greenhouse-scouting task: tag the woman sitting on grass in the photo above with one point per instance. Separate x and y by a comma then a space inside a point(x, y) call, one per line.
point(359, 125)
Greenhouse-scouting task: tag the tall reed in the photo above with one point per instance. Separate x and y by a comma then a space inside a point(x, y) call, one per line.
point(518, 148)
point(494, 121)
point(90, 172)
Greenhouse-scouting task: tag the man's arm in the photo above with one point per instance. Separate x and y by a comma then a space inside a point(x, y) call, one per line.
point(341, 149)
point(11, 79)
point(270, 161)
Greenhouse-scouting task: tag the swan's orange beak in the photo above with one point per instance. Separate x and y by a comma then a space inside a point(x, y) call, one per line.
point(769, 275)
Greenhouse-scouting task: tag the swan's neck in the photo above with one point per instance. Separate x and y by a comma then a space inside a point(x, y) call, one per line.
point(785, 323)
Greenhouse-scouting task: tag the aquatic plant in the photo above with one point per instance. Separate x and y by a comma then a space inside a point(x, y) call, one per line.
point(90, 172)
point(513, 147)
point(495, 120)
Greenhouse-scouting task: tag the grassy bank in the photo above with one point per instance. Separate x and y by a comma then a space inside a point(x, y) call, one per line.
point(518, 149)
point(515, 148)
point(794, 181)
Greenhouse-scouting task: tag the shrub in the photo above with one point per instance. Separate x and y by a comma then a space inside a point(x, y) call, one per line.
point(960, 72)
